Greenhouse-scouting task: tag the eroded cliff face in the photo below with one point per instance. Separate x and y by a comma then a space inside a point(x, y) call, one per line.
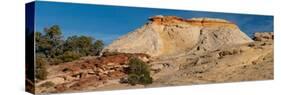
point(170, 35)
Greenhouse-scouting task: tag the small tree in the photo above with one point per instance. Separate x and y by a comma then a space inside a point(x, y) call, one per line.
point(84, 45)
point(97, 47)
point(55, 49)
point(49, 42)
point(139, 72)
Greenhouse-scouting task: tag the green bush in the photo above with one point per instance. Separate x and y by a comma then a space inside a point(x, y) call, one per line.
point(133, 79)
point(70, 56)
point(146, 79)
point(139, 72)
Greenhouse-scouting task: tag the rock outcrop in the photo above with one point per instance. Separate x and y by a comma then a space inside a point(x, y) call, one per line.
point(87, 72)
point(263, 36)
point(169, 35)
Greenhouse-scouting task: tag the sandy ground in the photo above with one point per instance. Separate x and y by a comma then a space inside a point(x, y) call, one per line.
point(246, 63)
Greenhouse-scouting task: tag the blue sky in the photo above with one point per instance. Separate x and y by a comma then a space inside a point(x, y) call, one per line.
point(110, 22)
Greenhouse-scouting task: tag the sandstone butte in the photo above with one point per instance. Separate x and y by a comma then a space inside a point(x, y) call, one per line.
point(170, 35)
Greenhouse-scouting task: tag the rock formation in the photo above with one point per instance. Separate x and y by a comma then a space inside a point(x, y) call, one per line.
point(87, 72)
point(169, 35)
point(203, 50)
point(263, 36)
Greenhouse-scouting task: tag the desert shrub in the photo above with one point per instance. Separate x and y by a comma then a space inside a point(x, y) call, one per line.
point(48, 84)
point(133, 79)
point(146, 79)
point(70, 56)
point(41, 73)
point(55, 61)
point(41, 70)
point(139, 72)
point(107, 53)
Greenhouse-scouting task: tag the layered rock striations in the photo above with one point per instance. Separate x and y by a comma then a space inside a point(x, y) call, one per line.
point(169, 35)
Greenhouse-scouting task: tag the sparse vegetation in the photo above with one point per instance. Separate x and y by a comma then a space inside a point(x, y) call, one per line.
point(139, 72)
point(106, 53)
point(55, 49)
point(47, 84)
point(52, 49)
point(70, 56)
point(41, 72)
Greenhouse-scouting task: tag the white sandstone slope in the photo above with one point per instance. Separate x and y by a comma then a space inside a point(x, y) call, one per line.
point(169, 35)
